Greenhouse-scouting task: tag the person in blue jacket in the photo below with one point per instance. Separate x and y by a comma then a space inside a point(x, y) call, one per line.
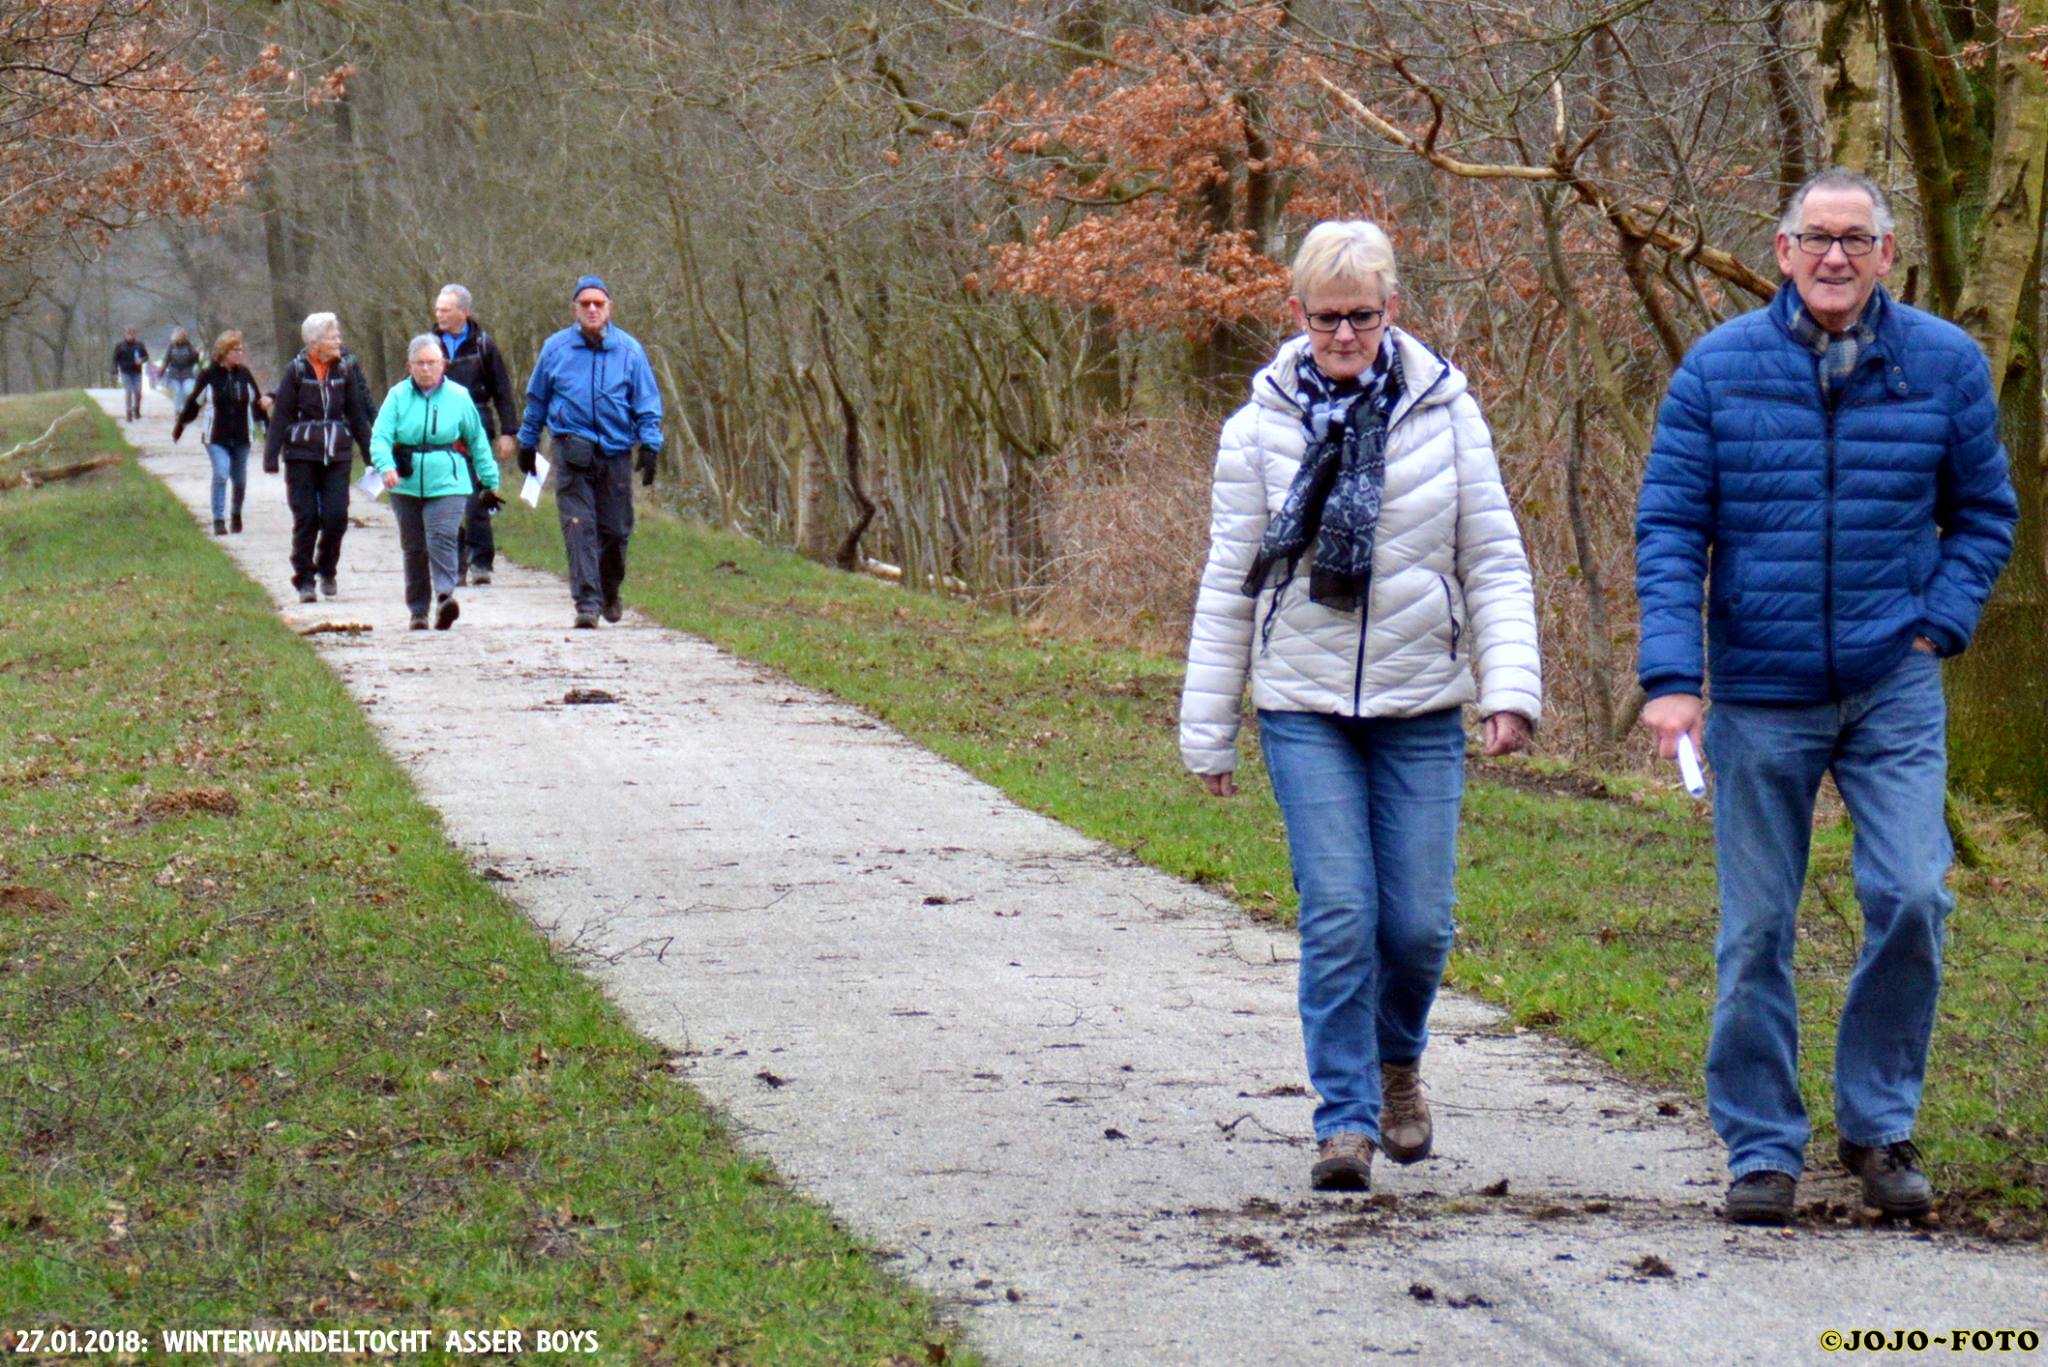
point(1827, 476)
point(593, 388)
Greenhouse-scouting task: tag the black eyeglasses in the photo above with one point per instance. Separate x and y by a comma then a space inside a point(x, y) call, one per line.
point(1361, 320)
point(1819, 244)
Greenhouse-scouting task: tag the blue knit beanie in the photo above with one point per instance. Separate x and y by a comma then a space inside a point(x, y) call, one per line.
point(591, 282)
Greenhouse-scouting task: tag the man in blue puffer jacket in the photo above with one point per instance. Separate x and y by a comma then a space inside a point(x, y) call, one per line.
point(1834, 458)
point(593, 388)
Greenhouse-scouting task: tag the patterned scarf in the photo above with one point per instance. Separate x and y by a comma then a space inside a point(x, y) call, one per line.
point(1838, 352)
point(1335, 498)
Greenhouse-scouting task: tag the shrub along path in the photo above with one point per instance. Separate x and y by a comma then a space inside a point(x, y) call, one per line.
point(1062, 1090)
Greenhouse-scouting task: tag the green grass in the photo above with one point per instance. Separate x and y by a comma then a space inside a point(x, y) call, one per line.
point(271, 1055)
point(1587, 903)
point(81, 438)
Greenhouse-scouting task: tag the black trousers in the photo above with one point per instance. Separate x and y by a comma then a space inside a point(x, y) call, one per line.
point(317, 494)
point(596, 507)
point(475, 547)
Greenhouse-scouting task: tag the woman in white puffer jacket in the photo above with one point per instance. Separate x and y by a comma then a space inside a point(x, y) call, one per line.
point(1361, 476)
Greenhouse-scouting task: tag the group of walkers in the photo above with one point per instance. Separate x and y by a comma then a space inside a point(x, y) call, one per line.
point(1827, 503)
point(1825, 510)
point(434, 444)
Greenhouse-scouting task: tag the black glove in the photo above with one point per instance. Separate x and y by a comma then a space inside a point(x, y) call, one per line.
point(489, 501)
point(177, 431)
point(645, 465)
point(270, 465)
point(526, 454)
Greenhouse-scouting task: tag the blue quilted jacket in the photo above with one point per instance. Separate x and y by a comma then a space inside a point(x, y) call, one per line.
point(1834, 536)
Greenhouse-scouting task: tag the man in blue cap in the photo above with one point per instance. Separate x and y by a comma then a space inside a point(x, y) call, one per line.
point(592, 388)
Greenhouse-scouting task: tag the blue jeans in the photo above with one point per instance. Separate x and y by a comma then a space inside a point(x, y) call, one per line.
point(181, 390)
point(1371, 806)
point(1887, 747)
point(230, 467)
point(131, 389)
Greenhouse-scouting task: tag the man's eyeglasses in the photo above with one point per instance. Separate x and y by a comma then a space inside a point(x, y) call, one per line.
point(1819, 244)
point(1361, 320)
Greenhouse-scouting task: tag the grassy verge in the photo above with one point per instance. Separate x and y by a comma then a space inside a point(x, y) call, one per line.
point(271, 1056)
point(1587, 904)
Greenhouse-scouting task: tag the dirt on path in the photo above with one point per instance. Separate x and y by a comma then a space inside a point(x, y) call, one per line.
point(1061, 1091)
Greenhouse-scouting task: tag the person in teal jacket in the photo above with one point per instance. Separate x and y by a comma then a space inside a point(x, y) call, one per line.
point(429, 443)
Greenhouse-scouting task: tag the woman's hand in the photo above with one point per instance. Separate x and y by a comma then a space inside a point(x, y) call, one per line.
point(391, 479)
point(1506, 732)
point(1219, 785)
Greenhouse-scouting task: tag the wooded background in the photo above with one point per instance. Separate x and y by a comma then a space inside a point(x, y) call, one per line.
point(965, 285)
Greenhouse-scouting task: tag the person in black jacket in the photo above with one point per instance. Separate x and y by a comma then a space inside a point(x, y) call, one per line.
point(181, 359)
point(238, 402)
point(130, 356)
point(475, 363)
point(319, 419)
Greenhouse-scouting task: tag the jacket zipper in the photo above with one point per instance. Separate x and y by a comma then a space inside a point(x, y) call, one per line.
point(1364, 608)
point(1451, 611)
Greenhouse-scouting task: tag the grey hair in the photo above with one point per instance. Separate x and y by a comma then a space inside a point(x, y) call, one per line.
point(421, 343)
point(461, 294)
point(1337, 254)
point(1840, 178)
point(316, 326)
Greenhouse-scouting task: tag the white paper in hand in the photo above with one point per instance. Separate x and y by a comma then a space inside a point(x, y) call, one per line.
point(1689, 767)
point(372, 482)
point(529, 492)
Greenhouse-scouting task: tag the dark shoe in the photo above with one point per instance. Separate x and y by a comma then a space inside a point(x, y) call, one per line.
point(306, 594)
point(479, 576)
point(1762, 1198)
point(1343, 1163)
point(586, 621)
point(1894, 1181)
point(447, 612)
point(220, 528)
point(613, 609)
point(419, 621)
point(328, 586)
point(1404, 1115)
point(235, 523)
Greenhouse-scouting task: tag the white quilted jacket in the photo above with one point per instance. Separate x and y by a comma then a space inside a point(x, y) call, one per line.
point(1450, 581)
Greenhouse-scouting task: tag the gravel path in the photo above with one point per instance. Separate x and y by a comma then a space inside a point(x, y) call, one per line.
point(1062, 1091)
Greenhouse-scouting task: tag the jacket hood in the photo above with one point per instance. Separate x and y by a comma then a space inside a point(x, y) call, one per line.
point(1430, 378)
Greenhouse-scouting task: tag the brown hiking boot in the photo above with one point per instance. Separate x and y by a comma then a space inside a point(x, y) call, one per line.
point(1894, 1180)
point(1343, 1163)
point(1761, 1198)
point(1404, 1115)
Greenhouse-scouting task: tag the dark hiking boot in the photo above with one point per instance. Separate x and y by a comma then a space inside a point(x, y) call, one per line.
point(329, 587)
point(306, 594)
point(586, 621)
point(447, 612)
point(1404, 1115)
point(1762, 1198)
point(419, 621)
point(1343, 1163)
point(220, 528)
point(613, 608)
point(1894, 1181)
point(235, 523)
point(479, 577)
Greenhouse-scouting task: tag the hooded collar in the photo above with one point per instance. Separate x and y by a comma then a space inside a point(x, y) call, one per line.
point(1428, 378)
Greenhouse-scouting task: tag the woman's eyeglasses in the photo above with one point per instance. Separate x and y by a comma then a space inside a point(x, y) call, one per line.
point(1361, 320)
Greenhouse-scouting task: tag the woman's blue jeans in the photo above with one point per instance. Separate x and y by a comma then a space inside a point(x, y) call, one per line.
point(1887, 747)
point(230, 468)
point(1371, 806)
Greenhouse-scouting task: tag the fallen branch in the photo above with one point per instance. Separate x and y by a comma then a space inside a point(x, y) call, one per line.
point(34, 445)
point(337, 628)
point(31, 479)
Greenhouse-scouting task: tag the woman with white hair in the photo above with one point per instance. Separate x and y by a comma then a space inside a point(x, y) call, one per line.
point(430, 445)
point(1362, 560)
point(319, 418)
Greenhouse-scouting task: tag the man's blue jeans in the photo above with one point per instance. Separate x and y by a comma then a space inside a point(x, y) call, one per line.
point(1371, 806)
point(1887, 747)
